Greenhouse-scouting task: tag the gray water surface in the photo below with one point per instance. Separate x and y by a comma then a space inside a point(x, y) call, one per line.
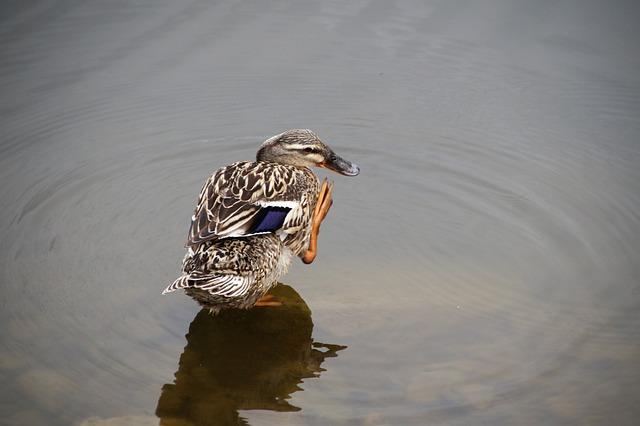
point(484, 268)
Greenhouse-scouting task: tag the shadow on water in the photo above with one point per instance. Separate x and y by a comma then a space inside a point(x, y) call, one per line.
point(243, 360)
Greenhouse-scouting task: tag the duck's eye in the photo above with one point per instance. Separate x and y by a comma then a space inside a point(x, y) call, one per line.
point(309, 149)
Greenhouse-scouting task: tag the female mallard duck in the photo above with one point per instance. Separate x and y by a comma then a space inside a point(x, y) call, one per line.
point(253, 217)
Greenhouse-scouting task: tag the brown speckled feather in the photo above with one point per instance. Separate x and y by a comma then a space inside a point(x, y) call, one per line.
point(233, 196)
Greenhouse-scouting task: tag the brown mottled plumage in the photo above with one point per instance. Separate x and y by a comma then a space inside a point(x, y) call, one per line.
point(252, 218)
point(231, 199)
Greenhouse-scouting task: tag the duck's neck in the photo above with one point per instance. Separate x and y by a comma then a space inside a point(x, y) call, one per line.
point(264, 155)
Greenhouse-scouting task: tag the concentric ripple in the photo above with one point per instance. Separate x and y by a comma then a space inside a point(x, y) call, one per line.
point(482, 268)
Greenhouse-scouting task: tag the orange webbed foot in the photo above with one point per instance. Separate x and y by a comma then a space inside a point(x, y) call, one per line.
point(324, 203)
point(268, 300)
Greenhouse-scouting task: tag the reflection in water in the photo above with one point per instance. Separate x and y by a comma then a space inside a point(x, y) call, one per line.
point(244, 360)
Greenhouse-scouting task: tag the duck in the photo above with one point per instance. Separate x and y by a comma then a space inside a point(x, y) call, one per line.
point(253, 218)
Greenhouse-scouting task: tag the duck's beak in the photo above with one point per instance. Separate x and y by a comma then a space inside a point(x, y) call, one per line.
point(338, 164)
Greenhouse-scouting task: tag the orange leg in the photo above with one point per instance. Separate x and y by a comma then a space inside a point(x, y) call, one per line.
point(268, 300)
point(325, 200)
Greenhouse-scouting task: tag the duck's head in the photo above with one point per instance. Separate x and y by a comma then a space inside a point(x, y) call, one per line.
point(303, 148)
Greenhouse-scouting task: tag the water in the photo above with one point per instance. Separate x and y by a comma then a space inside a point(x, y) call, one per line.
point(484, 268)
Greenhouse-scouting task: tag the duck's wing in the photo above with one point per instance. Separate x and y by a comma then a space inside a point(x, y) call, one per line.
point(248, 198)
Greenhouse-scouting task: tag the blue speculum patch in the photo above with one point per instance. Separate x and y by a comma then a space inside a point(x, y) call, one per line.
point(269, 219)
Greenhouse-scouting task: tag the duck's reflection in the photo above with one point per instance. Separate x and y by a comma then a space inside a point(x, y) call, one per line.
point(243, 360)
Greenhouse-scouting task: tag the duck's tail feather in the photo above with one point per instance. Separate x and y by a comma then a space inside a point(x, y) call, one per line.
point(181, 282)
